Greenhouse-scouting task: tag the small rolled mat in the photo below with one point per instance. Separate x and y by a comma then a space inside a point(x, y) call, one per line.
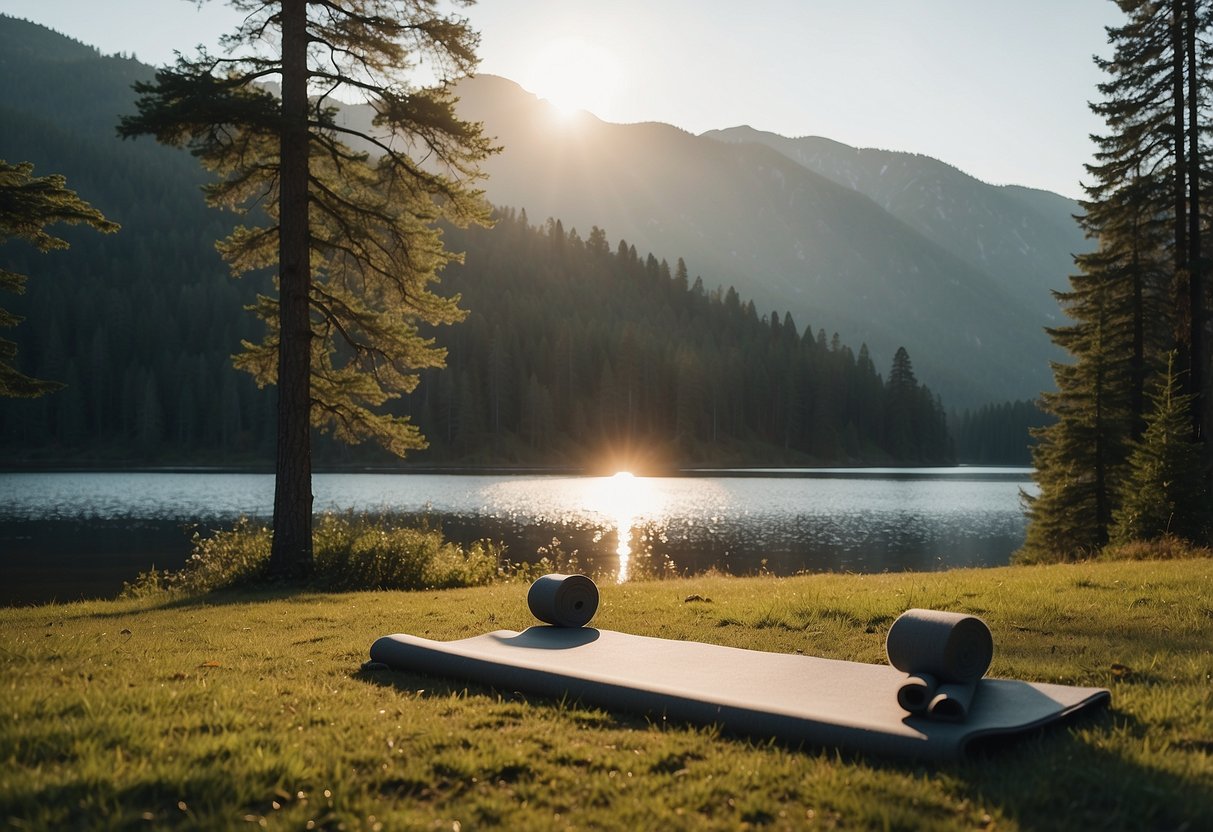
point(944, 654)
point(916, 693)
point(952, 701)
point(563, 600)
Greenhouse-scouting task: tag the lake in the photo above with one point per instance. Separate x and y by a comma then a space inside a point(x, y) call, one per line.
point(71, 535)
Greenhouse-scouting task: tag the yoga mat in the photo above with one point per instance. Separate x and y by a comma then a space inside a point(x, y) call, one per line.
point(795, 698)
point(563, 600)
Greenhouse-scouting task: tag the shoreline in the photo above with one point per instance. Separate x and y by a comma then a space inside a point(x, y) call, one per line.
point(960, 469)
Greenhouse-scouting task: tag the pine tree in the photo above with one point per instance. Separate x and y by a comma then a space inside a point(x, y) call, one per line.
point(1199, 61)
point(352, 237)
point(28, 204)
point(901, 431)
point(1079, 457)
point(1141, 294)
point(1144, 205)
point(1163, 491)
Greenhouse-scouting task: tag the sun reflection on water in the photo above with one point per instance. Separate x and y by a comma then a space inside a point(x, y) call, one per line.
point(622, 498)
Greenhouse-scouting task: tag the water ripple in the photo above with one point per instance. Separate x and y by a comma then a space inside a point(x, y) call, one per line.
point(871, 522)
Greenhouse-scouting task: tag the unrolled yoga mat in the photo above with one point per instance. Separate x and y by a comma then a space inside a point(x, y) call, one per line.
point(820, 702)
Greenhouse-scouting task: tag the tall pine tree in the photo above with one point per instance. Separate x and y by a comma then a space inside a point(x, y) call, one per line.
point(352, 237)
point(1078, 458)
point(1142, 293)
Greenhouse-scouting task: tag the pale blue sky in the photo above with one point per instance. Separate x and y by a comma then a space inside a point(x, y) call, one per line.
point(997, 88)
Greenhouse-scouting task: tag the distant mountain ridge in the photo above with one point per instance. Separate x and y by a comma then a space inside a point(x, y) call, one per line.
point(1011, 232)
point(886, 248)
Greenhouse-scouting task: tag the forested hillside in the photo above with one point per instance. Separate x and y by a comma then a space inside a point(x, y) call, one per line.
point(903, 272)
point(1025, 238)
point(138, 323)
point(998, 434)
point(574, 349)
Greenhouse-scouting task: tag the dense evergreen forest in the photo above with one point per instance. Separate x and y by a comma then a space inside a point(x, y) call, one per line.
point(998, 434)
point(570, 352)
point(137, 324)
point(574, 350)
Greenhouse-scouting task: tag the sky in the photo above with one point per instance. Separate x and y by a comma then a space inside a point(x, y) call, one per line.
point(997, 88)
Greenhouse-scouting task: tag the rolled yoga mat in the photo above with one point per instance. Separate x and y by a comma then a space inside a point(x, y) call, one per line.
point(952, 701)
point(944, 654)
point(916, 692)
point(563, 600)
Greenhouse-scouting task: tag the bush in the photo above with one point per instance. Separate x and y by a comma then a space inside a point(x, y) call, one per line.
point(1166, 547)
point(364, 553)
point(350, 553)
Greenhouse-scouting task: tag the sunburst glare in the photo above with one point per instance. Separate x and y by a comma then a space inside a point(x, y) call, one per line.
point(575, 75)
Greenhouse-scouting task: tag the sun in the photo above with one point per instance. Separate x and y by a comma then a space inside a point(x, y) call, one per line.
point(575, 74)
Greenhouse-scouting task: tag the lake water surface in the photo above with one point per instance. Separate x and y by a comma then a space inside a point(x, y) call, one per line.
point(63, 535)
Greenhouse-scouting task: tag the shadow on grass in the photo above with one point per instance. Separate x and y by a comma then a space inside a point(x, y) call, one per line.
point(1066, 775)
point(212, 798)
point(1075, 778)
point(216, 598)
point(434, 687)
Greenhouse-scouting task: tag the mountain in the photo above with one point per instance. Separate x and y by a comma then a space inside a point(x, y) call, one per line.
point(953, 269)
point(1021, 236)
point(140, 324)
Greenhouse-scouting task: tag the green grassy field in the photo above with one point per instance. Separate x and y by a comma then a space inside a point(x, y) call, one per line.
point(242, 711)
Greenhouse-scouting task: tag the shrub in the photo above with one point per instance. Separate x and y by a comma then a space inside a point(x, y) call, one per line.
point(350, 553)
point(1166, 547)
point(365, 553)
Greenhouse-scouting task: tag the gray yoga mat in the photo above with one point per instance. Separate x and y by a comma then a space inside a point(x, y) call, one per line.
point(795, 698)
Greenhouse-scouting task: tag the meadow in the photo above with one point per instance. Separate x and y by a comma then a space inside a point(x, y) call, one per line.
point(241, 709)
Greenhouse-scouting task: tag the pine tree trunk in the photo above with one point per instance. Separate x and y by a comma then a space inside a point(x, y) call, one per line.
point(291, 553)
point(1137, 368)
point(1179, 184)
point(1202, 358)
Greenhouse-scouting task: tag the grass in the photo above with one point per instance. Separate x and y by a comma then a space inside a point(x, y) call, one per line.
point(248, 710)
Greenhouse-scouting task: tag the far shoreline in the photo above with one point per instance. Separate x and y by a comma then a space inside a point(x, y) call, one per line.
point(854, 470)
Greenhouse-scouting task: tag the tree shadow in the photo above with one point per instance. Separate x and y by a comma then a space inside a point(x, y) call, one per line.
point(1073, 777)
point(437, 687)
point(215, 598)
